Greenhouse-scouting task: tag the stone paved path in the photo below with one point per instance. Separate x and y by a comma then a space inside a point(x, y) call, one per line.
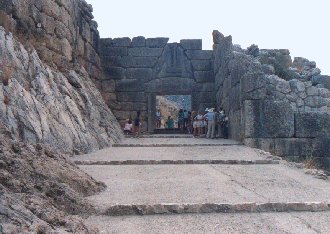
point(189, 185)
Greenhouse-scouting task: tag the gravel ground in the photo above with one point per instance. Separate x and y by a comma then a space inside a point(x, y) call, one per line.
point(300, 223)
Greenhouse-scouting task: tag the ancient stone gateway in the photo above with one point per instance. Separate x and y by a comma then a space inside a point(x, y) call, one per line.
point(139, 70)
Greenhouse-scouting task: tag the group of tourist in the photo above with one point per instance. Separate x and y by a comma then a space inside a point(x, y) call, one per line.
point(208, 123)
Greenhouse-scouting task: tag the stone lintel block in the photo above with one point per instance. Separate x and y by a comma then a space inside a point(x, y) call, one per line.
point(192, 44)
point(121, 42)
point(108, 86)
point(202, 65)
point(131, 97)
point(138, 42)
point(130, 85)
point(200, 54)
point(268, 119)
point(266, 144)
point(312, 124)
point(297, 147)
point(115, 73)
point(144, 74)
point(203, 87)
point(158, 42)
point(114, 51)
point(145, 52)
point(170, 85)
point(204, 76)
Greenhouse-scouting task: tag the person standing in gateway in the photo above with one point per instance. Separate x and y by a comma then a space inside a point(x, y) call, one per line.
point(137, 124)
point(210, 116)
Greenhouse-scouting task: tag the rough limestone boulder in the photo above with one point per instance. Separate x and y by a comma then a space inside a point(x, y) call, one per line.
point(41, 191)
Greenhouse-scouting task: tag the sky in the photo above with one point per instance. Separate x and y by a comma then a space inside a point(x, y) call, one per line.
point(302, 26)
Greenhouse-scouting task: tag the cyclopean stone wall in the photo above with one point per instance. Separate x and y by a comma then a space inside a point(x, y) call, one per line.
point(273, 103)
point(139, 69)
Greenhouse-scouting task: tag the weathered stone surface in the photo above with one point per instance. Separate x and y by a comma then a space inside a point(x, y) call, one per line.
point(203, 87)
point(199, 54)
point(267, 144)
point(253, 50)
point(170, 85)
point(312, 124)
point(115, 51)
point(52, 110)
point(130, 85)
point(173, 63)
point(158, 42)
point(139, 62)
point(191, 44)
point(143, 74)
point(108, 86)
point(115, 73)
point(268, 119)
point(293, 147)
point(203, 97)
point(204, 76)
point(125, 41)
point(138, 42)
point(131, 97)
point(145, 52)
point(202, 65)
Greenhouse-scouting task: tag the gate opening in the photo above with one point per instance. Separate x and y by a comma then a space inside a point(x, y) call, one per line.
point(168, 108)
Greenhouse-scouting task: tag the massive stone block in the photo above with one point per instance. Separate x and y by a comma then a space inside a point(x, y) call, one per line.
point(173, 63)
point(115, 51)
point(143, 74)
point(125, 41)
point(204, 76)
point(266, 144)
point(170, 85)
point(145, 52)
point(203, 97)
point(203, 87)
point(199, 54)
point(293, 147)
point(139, 62)
point(115, 73)
point(202, 65)
point(131, 85)
point(268, 119)
point(158, 42)
point(191, 44)
point(312, 124)
point(138, 42)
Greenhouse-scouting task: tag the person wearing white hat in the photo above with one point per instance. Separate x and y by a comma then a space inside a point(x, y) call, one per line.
point(210, 116)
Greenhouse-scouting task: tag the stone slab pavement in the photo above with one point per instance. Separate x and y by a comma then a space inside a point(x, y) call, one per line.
point(156, 184)
point(174, 142)
point(270, 223)
point(235, 152)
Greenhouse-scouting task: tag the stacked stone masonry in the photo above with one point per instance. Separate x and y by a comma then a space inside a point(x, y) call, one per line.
point(273, 103)
point(139, 69)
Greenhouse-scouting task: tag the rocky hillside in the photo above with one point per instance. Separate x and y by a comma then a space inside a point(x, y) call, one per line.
point(48, 62)
point(49, 105)
point(40, 191)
